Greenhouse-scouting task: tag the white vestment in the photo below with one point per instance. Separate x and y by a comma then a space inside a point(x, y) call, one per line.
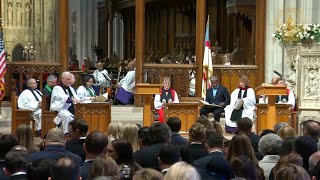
point(84, 93)
point(291, 99)
point(158, 103)
point(100, 77)
point(59, 103)
point(128, 82)
point(27, 101)
point(248, 106)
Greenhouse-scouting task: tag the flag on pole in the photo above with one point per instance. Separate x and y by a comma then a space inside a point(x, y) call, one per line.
point(207, 63)
point(2, 65)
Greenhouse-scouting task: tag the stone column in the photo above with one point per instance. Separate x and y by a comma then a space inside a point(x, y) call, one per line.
point(64, 29)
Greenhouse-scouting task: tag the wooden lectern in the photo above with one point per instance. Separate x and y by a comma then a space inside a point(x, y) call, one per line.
point(147, 90)
point(271, 91)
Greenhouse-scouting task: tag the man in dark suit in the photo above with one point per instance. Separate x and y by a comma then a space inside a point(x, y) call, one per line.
point(168, 156)
point(51, 82)
point(78, 130)
point(54, 148)
point(95, 145)
point(174, 124)
point(219, 167)
point(65, 168)
point(7, 142)
point(147, 156)
point(217, 94)
point(16, 164)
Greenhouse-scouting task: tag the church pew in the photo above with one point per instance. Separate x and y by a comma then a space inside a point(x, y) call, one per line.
point(47, 116)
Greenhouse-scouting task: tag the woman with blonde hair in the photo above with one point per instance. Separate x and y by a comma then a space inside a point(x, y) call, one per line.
point(182, 171)
point(115, 130)
point(286, 132)
point(103, 166)
point(130, 134)
point(25, 138)
point(148, 174)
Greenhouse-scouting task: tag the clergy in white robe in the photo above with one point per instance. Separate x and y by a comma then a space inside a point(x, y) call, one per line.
point(30, 99)
point(85, 92)
point(247, 95)
point(101, 76)
point(63, 99)
point(126, 85)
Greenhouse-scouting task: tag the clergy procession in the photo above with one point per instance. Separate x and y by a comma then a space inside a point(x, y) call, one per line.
point(159, 90)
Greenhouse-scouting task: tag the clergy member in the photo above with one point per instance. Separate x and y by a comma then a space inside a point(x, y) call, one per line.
point(101, 76)
point(126, 85)
point(51, 82)
point(167, 95)
point(63, 99)
point(30, 99)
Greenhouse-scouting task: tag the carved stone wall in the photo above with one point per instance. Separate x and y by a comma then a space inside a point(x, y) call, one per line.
point(30, 21)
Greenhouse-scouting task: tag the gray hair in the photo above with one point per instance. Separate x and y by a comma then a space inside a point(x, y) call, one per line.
point(166, 79)
point(29, 81)
point(279, 125)
point(51, 78)
point(214, 78)
point(270, 144)
point(65, 74)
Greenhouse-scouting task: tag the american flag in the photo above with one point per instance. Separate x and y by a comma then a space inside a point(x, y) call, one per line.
point(207, 64)
point(2, 66)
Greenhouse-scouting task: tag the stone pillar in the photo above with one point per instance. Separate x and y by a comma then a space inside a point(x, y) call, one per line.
point(64, 30)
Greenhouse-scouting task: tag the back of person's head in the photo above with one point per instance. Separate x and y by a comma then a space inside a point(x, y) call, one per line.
point(148, 174)
point(286, 132)
point(115, 129)
point(240, 145)
point(217, 128)
point(159, 133)
point(182, 171)
point(124, 150)
point(205, 122)
point(55, 136)
point(96, 143)
point(305, 146)
point(287, 146)
point(214, 140)
point(25, 137)
point(16, 161)
point(316, 171)
point(7, 142)
point(279, 125)
point(292, 158)
point(270, 144)
point(292, 172)
point(143, 135)
point(79, 126)
point(65, 168)
point(103, 166)
point(40, 169)
point(266, 131)
point(242, 166)
point(174, 124)
point(168, 154)
point(197, 132)
point(312, 129)
point(313, 160)
point(244, 125)
point(130, 133)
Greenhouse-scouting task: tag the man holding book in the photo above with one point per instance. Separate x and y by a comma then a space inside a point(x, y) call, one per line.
point(218, 97)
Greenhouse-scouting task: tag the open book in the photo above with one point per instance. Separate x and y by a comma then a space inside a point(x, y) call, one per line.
point(101, 98)
point(205, 103)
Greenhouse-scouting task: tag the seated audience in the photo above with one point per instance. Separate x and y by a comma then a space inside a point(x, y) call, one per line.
point(147, 156)
point(245, 127)
point(95, 145)
point(244, 95)
point(286, 132)
point(205, 122)
point(182, 171)
point(174, 124)
point(16, 164)
point(130, 134)
point(30, 99)
point(54, 148)
point(269, 146)
point(126, 85)
point(65, 168)
point(311, 128)
point(40, 169)
point(104, 166)
point(316, 172)
point(216, 94)
point(85, 91)
point(219, 167)
point(115, 131)
point(25, 138)
point(121, 151)
point(292, 158)
point(51, 82)
point(266, 131)
point(7, 142)
point(148, 174)
point(143, 135)
point(305, 146)
point(195, 149)
point(292, 172)
point(314, 160)
point(279, 125)
point(78, 130)
point(244, 168)
point(167, 95)
point(168, 156)
point(287, 146)
point(63, 99)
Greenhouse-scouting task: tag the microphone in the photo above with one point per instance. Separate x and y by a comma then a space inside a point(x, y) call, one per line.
point(277, 73)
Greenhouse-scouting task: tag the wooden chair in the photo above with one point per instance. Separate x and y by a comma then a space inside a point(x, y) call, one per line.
point(19, 116)
point(47, 116)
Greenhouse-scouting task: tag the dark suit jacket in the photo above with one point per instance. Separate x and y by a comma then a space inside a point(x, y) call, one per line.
point(18, 177)
point(76, 147)
point(54, 152)
point(84, 169)
point(3, 175)
point(147, 157)
point(218, 168)
point(193, 152)
point(46, 92)
point(222, 95)
point(178, 140)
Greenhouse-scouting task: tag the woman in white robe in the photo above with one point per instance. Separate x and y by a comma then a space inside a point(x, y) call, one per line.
point(247, 95)
point(85, 92)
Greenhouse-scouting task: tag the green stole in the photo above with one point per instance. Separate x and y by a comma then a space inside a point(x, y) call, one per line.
point(48, 88)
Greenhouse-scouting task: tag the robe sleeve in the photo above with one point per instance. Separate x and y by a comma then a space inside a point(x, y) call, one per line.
point(82, 93)
point(27, 101)
point(59, 99)
point(157, 103)
point(250, 100)
point(176, 98)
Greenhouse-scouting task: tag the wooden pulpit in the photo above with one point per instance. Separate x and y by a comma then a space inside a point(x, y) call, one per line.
point(271, 91)
point(147, 91)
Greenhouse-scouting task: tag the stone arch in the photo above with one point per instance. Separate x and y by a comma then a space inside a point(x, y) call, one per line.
point(17, 53)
